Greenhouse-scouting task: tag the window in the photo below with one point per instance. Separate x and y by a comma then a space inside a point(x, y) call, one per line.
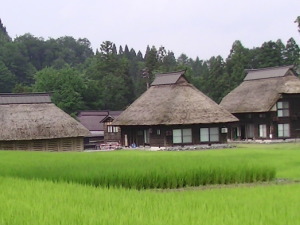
point(262, 115)
point(263, 130)
point(158, 131)
point(209, 134)
point(186, 135)
point(147, 136)
point(283, 109)
point(182, 136)
point(250, 130)
point(112, 129)
point(204, 134)
point(284, 130)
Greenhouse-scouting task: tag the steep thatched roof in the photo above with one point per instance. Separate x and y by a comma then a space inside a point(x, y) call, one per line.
point(173, 101)
point(37, 121)
point(260, 94)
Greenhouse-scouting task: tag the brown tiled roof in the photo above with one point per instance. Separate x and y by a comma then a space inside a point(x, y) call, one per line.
point(167, 78)
point(267, 72)
point(92, 119)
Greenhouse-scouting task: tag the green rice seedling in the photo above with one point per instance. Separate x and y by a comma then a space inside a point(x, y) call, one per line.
point(27, 202)
point(142, 170)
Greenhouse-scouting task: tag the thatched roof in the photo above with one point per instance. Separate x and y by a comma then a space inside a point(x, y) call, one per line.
point(177, 102)
point(37, 121)
point(256, 94)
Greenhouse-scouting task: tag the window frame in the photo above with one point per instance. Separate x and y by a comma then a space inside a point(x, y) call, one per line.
point(112, 129)
point(262, 130)
point(286, 130)
point(283, 109)
point(209, 134)
point(182, 136)
point(158, 132)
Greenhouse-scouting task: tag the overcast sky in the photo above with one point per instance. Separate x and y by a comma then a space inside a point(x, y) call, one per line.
point(194, 27)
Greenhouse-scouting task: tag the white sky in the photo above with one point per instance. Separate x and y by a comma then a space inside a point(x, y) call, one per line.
point(194, 27)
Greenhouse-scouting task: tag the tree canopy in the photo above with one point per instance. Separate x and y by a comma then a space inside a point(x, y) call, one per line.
point(114, 76)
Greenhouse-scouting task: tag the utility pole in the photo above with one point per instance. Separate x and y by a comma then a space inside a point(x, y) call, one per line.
point(146, 75)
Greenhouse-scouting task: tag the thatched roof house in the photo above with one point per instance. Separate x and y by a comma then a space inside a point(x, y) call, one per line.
point(33, 122)
point(170, 103)
point(260, 93)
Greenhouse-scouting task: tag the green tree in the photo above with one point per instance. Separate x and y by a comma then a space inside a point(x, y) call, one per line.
point(111, 73)
point(298, 22)
point(292, 53)
point(66, 86)
point(18, 64)
point(7, 79)
point(270, 54)
point(32, 48)
point(168, 62)
point(236, 63)
point(4, 37)
point(216, 67)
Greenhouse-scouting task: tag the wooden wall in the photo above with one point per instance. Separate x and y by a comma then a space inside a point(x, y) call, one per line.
point(111, 136)
point(60, 144)
point(135, 134)
point(271, 120)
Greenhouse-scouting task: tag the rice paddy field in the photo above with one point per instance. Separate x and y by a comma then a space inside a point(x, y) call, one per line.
point(138, 187)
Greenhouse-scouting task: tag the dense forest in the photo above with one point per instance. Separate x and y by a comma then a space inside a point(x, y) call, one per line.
point(113, 77)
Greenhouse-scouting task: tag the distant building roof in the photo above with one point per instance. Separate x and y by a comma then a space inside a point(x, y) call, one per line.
point(267, 72)
point(167, 78)
point(28, 98)
point(92, 120)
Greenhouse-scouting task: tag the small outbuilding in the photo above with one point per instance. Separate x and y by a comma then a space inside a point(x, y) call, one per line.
point(99, 123)
point(173, 112)
point(267, 104)
point(33, 122)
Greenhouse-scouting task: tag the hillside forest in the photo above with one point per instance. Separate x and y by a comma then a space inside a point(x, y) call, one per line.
point(112, 77)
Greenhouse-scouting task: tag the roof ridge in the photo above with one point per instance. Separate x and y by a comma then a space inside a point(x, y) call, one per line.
point(22, 94)
point(169, 73)
point(270, 68)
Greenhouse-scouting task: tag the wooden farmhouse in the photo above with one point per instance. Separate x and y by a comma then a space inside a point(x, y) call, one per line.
point(33, 122)
point(173, 112)
point(99, 123)
point(111, 133)
point(267, 104)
